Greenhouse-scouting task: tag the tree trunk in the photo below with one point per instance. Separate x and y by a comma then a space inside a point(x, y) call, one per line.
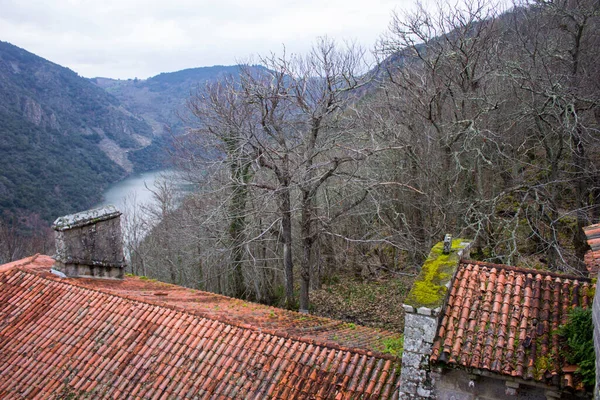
point(237, 226)
point(307, 241)
point(286, 236)
point(581, 194)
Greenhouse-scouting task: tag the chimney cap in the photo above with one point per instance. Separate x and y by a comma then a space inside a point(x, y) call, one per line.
point(85, 218)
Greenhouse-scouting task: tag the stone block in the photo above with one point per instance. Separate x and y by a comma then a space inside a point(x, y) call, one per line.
point(511, 388)
point(412, 343)
point(411, 359)
point(424, 311)
point(408, 387)
point(412, 331)
point(552, 394)
point(424, 392)
point(408, 308)
point(429, 332)
point(454, 395)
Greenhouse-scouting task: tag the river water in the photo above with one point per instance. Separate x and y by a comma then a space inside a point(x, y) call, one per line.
point(134, 191)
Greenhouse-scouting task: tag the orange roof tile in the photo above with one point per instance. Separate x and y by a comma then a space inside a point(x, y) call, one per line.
point(142, 339)
point(592, 257)
point(504, 320)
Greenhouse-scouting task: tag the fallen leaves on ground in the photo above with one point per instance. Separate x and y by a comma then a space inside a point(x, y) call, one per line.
point(375, 303)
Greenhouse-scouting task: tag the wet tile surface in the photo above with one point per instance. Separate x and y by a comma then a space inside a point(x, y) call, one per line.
point(504, 320)
point(141, 339)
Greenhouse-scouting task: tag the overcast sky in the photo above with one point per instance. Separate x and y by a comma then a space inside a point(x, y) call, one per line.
point(141, 38)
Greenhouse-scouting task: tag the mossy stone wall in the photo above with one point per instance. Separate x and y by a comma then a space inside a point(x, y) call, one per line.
point(431, 286)
point(423, 306)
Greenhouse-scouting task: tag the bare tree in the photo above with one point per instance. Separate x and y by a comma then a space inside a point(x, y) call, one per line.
point(477, 123)
point(496, 114)
point(286, 121)
point(555, 68)
point(23, 235)
point(439, 103)
point(135, 226)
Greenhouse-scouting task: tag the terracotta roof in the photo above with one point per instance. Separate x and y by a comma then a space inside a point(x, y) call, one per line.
point(148, 340)
point(504, 320)
point(592, 257)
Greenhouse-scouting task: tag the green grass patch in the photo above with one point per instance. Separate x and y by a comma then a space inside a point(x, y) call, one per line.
point(393, 346)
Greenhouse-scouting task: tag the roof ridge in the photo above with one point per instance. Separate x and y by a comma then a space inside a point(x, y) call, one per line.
point(18, 263)
point(227, 321)
point(525, 270)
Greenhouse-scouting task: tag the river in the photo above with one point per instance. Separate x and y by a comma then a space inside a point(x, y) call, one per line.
point(133, 191)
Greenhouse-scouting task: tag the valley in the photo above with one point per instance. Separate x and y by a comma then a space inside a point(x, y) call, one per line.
point(417, 219)
point(309, 166)
point(66, 139)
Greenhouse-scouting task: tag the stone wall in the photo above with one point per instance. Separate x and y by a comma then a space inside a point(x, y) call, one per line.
point(592, 263)
point(418, 381)
point(456, 384)
point(596, 318)
point(423, 306)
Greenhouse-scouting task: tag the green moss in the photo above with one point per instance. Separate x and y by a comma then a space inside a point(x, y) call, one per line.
point(394, 346)
point(145, 278)
point(592, 290)
point(542, 364)
point(430, 288)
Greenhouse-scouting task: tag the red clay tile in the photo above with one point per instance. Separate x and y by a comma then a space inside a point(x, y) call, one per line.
point(513, 324)
point(592, 257)
point(107, 338)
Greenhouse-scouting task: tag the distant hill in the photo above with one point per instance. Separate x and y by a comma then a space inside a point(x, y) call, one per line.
point(161, 100)
point(62, 138)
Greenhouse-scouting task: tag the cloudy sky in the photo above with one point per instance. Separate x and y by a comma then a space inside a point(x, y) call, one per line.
point(141, 38)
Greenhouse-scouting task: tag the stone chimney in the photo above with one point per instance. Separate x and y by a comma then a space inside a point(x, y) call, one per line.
point(422, 307)
point(89, 244)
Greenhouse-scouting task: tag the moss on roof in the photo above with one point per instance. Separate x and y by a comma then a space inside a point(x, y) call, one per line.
point(429, 290)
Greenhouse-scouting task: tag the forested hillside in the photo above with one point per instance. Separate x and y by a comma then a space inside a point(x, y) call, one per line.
point(65, 138)
point(480, 124)
point(62, 139)
point(161, 99)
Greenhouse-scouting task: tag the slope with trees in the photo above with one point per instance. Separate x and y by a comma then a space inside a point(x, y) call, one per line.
point(63, 140)
point(161, 100)
point(479, 123)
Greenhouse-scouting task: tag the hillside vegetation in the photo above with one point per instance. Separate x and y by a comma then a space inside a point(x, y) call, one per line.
point(161, 99)
point(482, 124)
point(63, 140)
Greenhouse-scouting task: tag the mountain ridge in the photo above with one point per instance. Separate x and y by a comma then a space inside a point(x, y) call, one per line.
point(64, 140)
point(161, 99)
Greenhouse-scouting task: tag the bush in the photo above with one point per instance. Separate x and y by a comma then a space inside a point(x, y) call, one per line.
point(579, 334)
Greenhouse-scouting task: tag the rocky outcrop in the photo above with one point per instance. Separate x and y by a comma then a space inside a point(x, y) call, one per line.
point(116, 154)
point(32, 111)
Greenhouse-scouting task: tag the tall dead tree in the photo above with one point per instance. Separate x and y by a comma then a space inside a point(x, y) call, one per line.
point(283, 124)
